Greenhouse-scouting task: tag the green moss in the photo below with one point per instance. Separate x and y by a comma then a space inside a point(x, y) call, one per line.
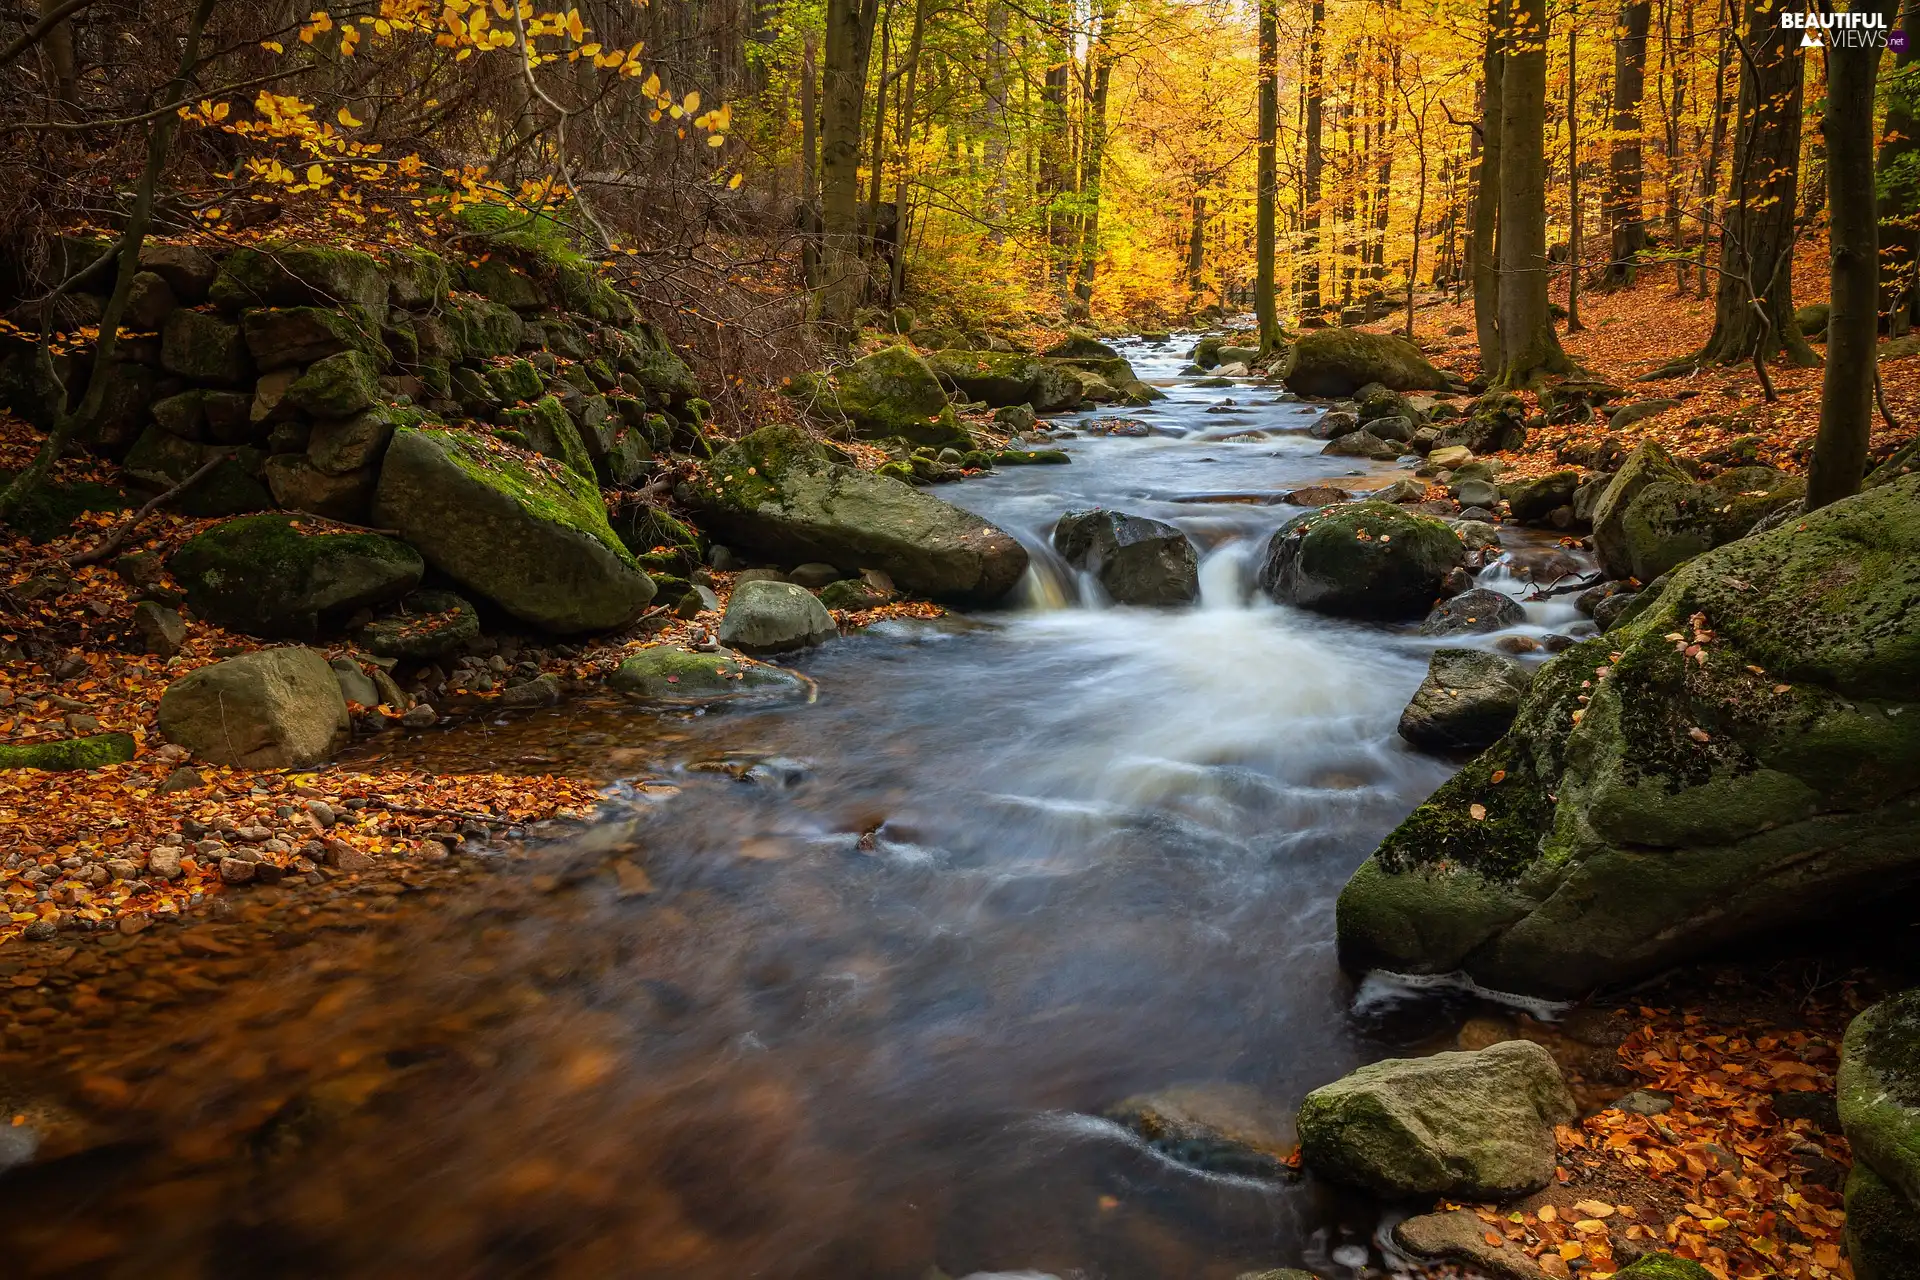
point(1883, 1228)
point(563, 496)
point(1664, 1266)
point(50, 510)
point(417, 279)
point(265, 576)
point(93, 752)
point(543, 237)
point(284, 274)
point(893, 392)
point(337, 387)
point(484, 329)
point(665, 671)
point(518, 381)
point(1028, 457)
point(648, 530)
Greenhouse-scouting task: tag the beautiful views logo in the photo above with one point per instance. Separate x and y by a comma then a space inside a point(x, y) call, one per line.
point(1842, 30)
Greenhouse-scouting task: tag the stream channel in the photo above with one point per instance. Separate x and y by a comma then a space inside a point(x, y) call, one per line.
point(904, 946)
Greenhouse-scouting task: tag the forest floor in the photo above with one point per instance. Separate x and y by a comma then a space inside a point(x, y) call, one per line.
point(1630, 332)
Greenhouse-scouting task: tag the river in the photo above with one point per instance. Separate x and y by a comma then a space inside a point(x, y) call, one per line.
point(903, 946)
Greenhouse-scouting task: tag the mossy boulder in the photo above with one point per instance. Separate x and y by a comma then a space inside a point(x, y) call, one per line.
point(498, 278)
point(549, 430)
point(774, 617)
point(483, 329)
point(1878, 1091)
point(298, 485)
point(161, 460)
point(269, 575)
point(516, 383)
point(344, 445)
point(425, 624)
point(338, 386)
point(1534, 499)
point(894, 393)
point(1004, 378)
point(1361, 560)
point(1748, 762)
point(417, 279)
point(204, 348)
point(779, 493)
point(528, 533)
point(1338, 362)
point(92, 752)
point(302, 275)
point(1664, 1266)
point(274, 709)
point(1135, 560)
point(1467, 701)
point(667, 673)
point(279, 338)
point(1670, 521)
point(1497, 422)
point(1470, 1126)
point(1646, 465)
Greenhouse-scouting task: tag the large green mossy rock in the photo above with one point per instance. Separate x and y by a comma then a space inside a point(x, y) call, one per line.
point(1748, 762)
point(1338, 362)
point(528, 533)
point(894, 392)
point(274, 709)
point(1473, 1126)
point(268, 575)
point(204, 348)
point(417, 279)
point(1653, 516)
point(482, 329)
point(93, 752)
point(303, 275)
point(1361, 560)
point(48, 512)
point(1002, 378)
point(1879, 1100)
point(778, 493)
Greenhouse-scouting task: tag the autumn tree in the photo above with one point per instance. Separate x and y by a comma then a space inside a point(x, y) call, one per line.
point(1846, 394)
point(1625, 214)
point(1529, 347)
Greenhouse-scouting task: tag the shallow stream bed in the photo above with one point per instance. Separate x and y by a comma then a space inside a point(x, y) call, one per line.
point(890, 956)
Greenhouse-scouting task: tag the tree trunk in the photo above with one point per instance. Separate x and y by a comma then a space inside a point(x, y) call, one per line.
point(1711, 206)
point(1573, 170)
point(848, 45)
point(1528, 345)
point(1486, 198)
point(1753, 310)
point(1900, 187)
point(1196, 248)
point(1315, 162)
point(1846, 393)
point(1626, 223)
point(996, 119)
point(877, 152)
point(1264, 304)
point(809, 170)
point(897, 282)
point(1054, 144)
point(1100, 52)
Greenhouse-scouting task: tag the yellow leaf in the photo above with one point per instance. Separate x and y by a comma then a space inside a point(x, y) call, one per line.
point(273, 46)
point(345, 117)
point(1477, 812)
point(716, 141)
point(651, 86)
point(690, 103)
point(316, 175)
point(733, 183)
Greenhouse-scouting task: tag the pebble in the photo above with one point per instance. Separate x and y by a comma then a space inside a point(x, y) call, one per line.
point(236, 871)
point(123, 868)
point(343, 857)
point(420, 717)
point(164, 862)
point(322, 812)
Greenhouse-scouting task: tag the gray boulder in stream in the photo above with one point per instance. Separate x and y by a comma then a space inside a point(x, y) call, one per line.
point(774, 617)
point(1466, 702)
point(784, 496)
point(1739, 759)
point(1135, 560)
point(1468, 1125)
point(1361, 560)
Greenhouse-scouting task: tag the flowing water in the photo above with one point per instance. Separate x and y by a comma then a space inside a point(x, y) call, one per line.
point(904, 945)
